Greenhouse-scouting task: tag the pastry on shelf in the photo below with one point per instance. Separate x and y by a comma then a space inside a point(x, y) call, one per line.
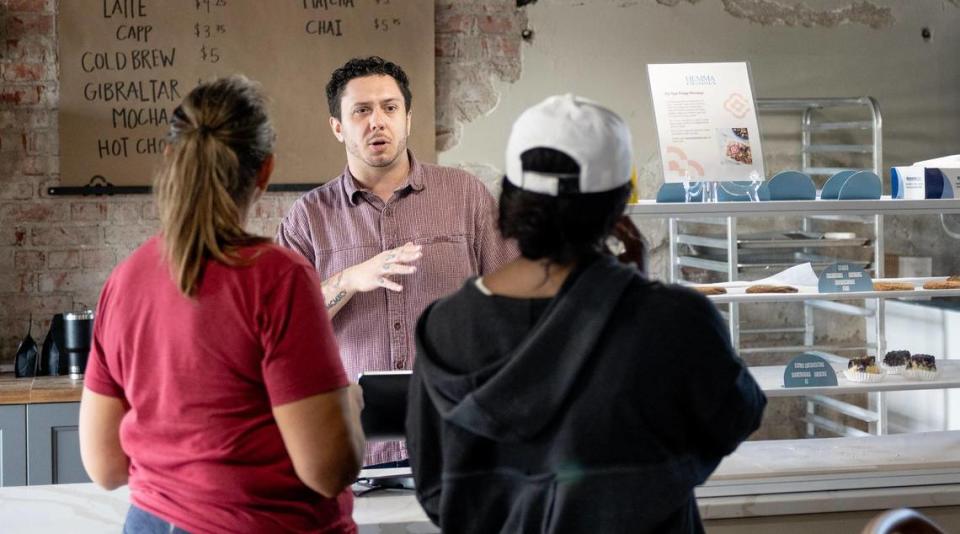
point(954, 278)
point(866, 364)
point(942, 284)
point(892, 286)
point(922, 361)
point(895, 361)
point(921, 367)
point(771, 288)
point(710, 290)
point(863, 369)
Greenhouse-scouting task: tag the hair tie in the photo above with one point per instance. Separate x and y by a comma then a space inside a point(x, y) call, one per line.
point(204, 130)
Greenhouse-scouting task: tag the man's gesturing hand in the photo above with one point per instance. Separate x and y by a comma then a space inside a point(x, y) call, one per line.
point(376, 271)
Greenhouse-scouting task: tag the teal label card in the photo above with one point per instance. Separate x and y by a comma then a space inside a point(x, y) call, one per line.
point(843, 278)
point(808, 371)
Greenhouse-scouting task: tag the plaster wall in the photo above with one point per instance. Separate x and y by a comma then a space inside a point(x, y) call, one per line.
point(827, 48)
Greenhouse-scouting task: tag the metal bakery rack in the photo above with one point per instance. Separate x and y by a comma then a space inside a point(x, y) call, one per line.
point(705, 241)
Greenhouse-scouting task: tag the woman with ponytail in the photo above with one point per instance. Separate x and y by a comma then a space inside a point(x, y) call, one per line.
point(214, 387)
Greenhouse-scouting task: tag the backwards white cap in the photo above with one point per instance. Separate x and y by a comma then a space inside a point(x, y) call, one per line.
point(595, 137)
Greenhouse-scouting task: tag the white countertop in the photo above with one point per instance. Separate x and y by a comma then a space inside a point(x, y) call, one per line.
point(88, 509)
point(828, 501)
point(802, 465)
point(774, 458)
point(762, 478)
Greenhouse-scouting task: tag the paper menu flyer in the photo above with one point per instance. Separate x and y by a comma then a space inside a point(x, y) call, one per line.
point(706, 122)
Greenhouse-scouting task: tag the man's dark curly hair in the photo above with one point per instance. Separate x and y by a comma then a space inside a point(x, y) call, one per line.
point(358, 68)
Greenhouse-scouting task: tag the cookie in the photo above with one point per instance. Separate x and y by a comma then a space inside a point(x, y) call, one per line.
point(710, 290)
point(769, 288)
point(892, 286)
point(941, 284)
point(954, 278)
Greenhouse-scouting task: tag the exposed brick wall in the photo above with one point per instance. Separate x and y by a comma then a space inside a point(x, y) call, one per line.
point(55, 253)
point(36, 234)
point(477, 42)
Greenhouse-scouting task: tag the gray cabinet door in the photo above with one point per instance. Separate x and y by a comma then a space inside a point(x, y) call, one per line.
point(53, 444)
point(13, 445)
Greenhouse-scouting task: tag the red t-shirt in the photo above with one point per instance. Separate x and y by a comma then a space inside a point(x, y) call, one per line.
point(200, 377)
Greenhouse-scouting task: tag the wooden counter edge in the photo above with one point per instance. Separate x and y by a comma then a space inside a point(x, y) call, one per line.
point(39, 390)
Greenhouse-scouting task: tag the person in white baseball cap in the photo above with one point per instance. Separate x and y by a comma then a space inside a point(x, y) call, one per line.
point(563, 392)
point(597, 140)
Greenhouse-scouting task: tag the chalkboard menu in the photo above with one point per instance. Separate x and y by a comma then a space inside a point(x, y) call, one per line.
point(125, 64)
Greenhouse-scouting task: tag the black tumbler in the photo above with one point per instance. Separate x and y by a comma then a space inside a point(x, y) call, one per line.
point(77, 335)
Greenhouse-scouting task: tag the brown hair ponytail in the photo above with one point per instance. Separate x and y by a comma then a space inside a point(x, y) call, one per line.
point(220, 137)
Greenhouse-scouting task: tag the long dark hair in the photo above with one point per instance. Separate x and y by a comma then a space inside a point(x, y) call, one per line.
point(563, 229)
point(220, 137)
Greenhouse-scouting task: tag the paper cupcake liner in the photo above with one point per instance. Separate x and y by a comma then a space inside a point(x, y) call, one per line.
point(859, 376)
point(921, 374)
point(893, 370)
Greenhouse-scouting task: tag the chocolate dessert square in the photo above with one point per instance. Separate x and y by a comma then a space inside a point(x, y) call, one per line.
point(896, 358)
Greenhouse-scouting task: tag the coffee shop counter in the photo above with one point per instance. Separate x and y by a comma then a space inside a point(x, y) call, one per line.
point(88, 509)
point(792, 486)
point(833, 484)
point(37, 390)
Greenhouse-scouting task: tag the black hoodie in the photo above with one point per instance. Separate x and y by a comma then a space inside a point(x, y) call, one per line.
point(596, 411)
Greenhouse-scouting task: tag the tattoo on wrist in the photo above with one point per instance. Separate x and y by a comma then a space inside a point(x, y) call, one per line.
point(336, 300)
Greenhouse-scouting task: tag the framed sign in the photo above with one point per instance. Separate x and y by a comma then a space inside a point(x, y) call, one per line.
point(706, 122)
